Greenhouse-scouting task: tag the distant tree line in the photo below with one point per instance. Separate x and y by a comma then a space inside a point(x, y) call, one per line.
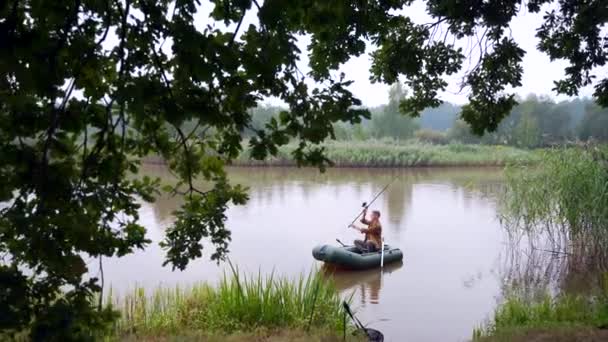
point(537, 121)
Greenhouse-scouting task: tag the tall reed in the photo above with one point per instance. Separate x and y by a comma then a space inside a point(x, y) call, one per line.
point(237, 303)
point(563, 201)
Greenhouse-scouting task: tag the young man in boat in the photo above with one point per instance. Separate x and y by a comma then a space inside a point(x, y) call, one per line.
point(373, 233)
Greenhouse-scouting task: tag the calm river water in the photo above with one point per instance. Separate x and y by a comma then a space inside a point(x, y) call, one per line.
point(444, 220)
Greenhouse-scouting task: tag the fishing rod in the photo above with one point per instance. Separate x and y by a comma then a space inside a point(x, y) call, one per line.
point(365, 205)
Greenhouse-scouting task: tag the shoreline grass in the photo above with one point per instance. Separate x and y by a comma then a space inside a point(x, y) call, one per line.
point(251, 305)
point(389, 153)
point(550, 316)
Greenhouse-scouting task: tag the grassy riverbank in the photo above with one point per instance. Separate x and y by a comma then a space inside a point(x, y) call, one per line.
point(561, 204)
point(561, 318)
point(239, 308)
point(389, 153)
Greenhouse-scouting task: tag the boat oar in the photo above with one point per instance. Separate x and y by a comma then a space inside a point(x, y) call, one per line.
point(340, 242)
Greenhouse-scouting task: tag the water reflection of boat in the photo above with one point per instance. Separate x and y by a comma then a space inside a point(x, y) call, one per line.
point(368, 282)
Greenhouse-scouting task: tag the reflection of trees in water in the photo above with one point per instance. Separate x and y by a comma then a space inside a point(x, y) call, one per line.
point(358, 189)
point(374, 290)
point(471, 190)
point(368, 283)
point(282, 190)
point(530, 268)
point(488, 189)
point(375, 176)
point(306, 190)
point(266, 185)
point(337, 193)
point(529, 272)
point(467, 198)
point(164, 206)
point(264, 176)
point(397, 200)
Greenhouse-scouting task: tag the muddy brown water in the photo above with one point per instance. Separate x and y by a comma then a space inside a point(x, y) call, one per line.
point(444, 220)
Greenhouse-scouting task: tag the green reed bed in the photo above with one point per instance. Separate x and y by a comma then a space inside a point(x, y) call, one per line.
point(565, 200)
point(389, 153)
point(237, 303)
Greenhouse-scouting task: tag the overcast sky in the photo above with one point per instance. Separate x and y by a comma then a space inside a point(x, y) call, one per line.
point(539, 71)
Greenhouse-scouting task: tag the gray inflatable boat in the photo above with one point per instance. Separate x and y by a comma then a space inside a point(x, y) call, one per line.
point(348, 257)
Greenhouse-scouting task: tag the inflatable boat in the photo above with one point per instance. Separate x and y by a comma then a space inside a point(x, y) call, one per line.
point(349, 257)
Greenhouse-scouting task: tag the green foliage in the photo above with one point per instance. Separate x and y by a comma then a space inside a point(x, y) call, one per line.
point(538, 122)
point(552, 121)
point(78, 112)
point(262, 116)
point(202, 216)
point(238, 303)
point(359, 133)
point(487, 105)
point(534, 122)
point(594, 124)
point(391, 123)
point(431, 137)
point(461, 132)
point(527, 133)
